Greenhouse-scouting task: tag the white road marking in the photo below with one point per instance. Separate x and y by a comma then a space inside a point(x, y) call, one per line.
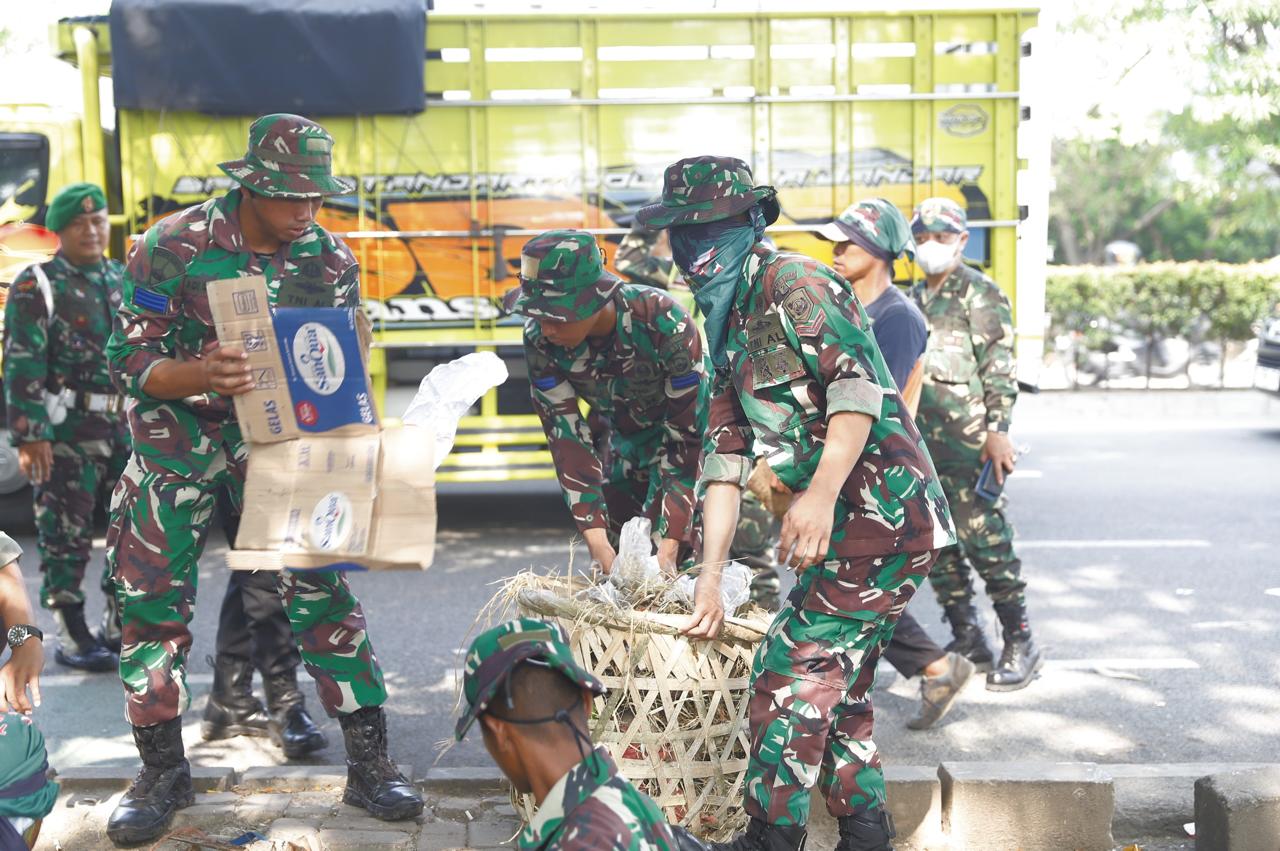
point(1274, 592)
point(1122, 664)
point(1114, 543)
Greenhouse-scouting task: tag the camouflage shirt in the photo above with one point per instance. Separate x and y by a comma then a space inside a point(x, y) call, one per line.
point(646, 382)
point(593, 808)
point(165, 314)
point(970, 383)
point(65, 351)
point(637, 262)
point(800, 349)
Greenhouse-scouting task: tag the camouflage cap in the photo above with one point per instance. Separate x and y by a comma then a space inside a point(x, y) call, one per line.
point(875, 224)
point(562, 278)
point(938, 215)
point(707, 189)
point(288, 157)
point(496, 653)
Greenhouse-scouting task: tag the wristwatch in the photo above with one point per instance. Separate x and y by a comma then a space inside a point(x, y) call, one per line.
point(20, 632)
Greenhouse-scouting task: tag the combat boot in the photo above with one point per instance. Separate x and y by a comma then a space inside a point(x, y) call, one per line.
point(1021, 658)
point(291, 727)
point(762, 836)
point(938, 693)
point(869, 830)
point(968, 639)
point(77, 648)
point(162, 787)
point(373, 781)
point(110, 634)
point(232, 709)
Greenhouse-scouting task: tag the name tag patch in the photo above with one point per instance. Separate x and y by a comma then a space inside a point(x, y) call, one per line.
point(773, 360)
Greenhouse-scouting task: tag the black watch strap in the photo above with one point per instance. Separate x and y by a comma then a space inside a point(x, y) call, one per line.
point(25, 631)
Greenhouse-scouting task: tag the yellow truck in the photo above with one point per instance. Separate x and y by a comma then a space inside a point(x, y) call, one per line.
point(542, 120)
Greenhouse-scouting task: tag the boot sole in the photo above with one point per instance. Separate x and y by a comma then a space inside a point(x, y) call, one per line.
point(212, 732)
point(126, 836)
point(408, 810)
point(104, 667)
point(1021, 684)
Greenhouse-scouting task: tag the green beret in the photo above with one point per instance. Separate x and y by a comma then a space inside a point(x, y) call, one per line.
point(72, 201)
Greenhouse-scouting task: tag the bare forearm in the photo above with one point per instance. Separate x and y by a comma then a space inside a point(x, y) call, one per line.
point(15, 608)
point(847, 434)
point(719, 519)
point(175, 379)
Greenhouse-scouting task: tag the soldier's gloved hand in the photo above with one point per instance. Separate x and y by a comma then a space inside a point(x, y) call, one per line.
point(226, 369)
point(999, 450)
point(36, 460)
point(599, 549)
point(806, 530)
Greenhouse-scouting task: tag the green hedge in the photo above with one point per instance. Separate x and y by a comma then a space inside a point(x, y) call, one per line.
point(1166, 298)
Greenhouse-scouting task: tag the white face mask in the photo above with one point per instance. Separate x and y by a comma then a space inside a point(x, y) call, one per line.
point(936, 257)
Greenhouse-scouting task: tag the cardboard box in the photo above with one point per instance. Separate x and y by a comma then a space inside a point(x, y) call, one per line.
point(328, 488)
point(310, 364)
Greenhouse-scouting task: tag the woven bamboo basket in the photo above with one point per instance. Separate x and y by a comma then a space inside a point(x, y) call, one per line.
point(675, 713)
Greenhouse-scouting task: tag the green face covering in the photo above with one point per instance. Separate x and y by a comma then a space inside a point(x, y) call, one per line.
point(712, 256)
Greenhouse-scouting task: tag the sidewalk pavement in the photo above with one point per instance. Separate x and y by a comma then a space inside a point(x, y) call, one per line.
point(290, 808)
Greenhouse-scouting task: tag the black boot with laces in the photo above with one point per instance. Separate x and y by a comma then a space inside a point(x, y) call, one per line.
point(162, 787)
point(373, 781)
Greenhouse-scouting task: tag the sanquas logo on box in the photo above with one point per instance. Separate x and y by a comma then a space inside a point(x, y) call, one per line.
point(327, 385)
point(331, 521)
point(318, 356)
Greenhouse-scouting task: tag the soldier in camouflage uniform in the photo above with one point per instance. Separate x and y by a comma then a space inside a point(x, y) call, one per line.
point(799, 379)
point(634, 356)
point(644, 257)
point(187, 443)
point(965, 407)
point(65, 417)
point(533, 700)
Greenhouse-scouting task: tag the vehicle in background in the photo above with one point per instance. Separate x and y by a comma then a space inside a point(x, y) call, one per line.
point(532, 121)
point(1266, 372)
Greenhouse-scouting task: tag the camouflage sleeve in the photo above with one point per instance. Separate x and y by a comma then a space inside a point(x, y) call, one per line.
point(681, 354)
point(635, 260)
point(726, 451)
point(991, 326)
point(347, 286)
point(26, 360)
point(569, 439)
point(835, 338)
point(150, 305)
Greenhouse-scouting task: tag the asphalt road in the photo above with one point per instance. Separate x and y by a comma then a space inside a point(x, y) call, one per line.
point(1148, 533)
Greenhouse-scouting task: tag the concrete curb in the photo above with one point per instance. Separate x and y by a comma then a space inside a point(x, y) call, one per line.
point(929, 804)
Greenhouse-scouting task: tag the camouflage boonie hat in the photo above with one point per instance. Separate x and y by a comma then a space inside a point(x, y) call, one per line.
point(562, 278)
point(876, 222)
point(939, 215)
point(288, 157)
point(495, 653)
point(707, 189)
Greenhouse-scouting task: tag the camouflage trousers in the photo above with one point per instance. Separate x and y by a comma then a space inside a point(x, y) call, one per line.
point(986, 543)
point(159, 523)
point(64, 516)
point(810, 713)
point(755, 544)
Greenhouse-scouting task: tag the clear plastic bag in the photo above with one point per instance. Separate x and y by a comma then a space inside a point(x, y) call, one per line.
point(449, 391)
point(636, 564)
point(735, 588)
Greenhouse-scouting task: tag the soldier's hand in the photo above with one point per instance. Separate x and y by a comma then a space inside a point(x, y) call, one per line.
point(36, 460)
point(599, 549)
point(21, 672)
point(806, 530)
point(668, 552)
point(708, 611)
point(226, 369)
point(999, 450)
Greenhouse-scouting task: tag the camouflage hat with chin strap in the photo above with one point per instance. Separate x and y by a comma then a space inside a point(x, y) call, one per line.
point(939, 215)
point(288, 157)
point(707, 189)
point(496, 653)
point(562, 278)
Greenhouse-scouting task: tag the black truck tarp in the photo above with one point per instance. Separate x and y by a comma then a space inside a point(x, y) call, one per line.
point(251, 57)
